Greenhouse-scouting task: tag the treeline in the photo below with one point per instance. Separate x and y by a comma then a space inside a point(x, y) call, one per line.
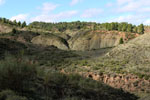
point(124, 26)
point(77, 25)
point(15, 23)
point(62, 26)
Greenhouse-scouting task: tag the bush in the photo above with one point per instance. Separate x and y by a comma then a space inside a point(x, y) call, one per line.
point(14, 31)
point(17, 75)
point(74, 87)
point(10, 95)
point(121, 41)
point(23, 80)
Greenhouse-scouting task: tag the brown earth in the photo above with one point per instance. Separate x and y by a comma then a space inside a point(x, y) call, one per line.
point(89, 40)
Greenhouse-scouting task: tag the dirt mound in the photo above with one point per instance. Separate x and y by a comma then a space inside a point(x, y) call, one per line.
point(88, 40)
point(5, 29)
point(50, 39)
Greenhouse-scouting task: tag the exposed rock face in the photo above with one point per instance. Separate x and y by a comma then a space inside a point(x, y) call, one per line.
point(135, 48)
point(127, 82)
point(5, 29)
point(83, 40)
point(95, 40)
point(64, 36)
point(51, 39)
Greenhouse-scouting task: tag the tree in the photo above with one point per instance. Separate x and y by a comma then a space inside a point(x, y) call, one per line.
point(24, 24)
point(129, 28)
point(14, 30)
point(135, 29)
point(15, 22)
point(112, 26)
point(124, 27)
point(121, 41)
point(120, 27)
point(109, 27)
point(3, 20)
point(19, 23)
point(141, 29)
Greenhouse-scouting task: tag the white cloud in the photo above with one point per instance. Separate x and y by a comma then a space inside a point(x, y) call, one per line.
point(133, 5)
point(137, 10)
point(48, 7)
point(147, 22)
point(110, 4)
point(134, 19)
point(91, 13)
point(20, 17)
point(74, 2)
point(2, 2)
point(122, 2)
point(47, 15)
point(55, 17)
point(146, 9)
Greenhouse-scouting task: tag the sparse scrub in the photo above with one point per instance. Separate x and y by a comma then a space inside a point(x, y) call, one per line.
point(24, 83)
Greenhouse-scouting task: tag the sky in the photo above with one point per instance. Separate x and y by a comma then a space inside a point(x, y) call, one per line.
point(100, 11)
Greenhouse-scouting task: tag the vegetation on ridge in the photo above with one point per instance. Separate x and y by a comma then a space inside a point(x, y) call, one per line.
point(62, 26)
point(33, 72)
point(14, 23)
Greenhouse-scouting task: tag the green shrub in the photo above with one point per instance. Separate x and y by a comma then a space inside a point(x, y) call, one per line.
point(121, 41)
point(17, 75)
point(10, 95)
point(14, 31)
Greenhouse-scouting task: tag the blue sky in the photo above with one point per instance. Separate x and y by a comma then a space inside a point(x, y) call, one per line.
point(132, 11)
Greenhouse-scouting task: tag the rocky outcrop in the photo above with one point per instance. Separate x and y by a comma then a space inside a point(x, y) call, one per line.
point(50, 39)
point(64, 36)
point(128, 82)
point(5, 29)
point(89, 40)
point(83, 40)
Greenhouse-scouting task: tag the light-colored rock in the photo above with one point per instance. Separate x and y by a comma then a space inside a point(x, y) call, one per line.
point(5, 29)
point(51, 39)
point(89, 40)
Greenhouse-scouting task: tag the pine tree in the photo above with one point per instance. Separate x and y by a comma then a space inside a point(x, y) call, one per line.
point(120, 27)
point(121, 41)
point(141, 29)
point(14, 31)
point(19, 23)
point(129, 28)
point(134, 29)
point(124, 27)
point(15, 22)
point(24, 24)
point(3, 20)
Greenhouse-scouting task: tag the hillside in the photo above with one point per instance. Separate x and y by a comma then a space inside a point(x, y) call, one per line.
point(5, 29)
point(136, 53)
point(78, 62)
point(35, 66)
point(50, 39)
point(126, 66)
point(92, 40)
point(72, 35)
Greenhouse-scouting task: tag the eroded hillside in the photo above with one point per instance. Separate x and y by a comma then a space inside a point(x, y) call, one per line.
point(96, 55)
